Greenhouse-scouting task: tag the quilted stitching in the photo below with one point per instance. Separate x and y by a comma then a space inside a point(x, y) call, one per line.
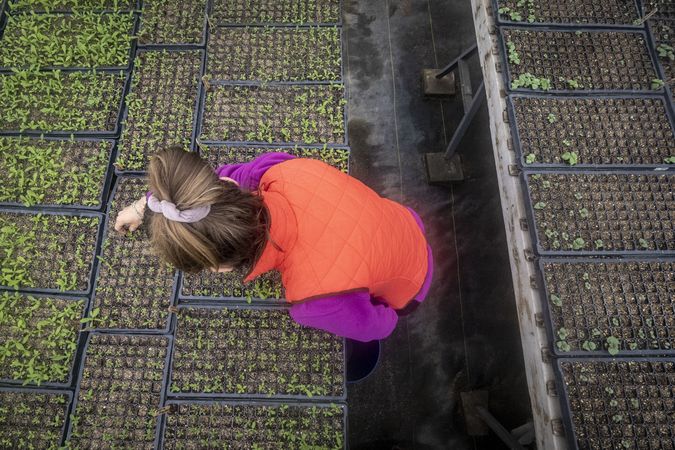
point(348, 237)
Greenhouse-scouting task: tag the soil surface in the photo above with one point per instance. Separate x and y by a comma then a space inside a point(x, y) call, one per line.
point(275, 11)
point(583, 60)
point(618, 12)
point(254, 351)
point(624, 131)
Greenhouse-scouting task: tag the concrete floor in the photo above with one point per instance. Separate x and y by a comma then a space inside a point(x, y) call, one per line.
point(465, 336)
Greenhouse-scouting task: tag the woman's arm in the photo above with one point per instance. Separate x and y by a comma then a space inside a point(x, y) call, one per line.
point(248, 175)
point(352, 315)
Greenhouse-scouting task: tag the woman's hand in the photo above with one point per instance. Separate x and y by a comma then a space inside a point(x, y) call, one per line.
point(131, 217)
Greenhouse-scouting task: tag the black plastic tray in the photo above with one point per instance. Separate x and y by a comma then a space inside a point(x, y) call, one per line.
point(66, 11)
point(270, 402)
point(196, 119)
point(535, 24)
point(80, 134)
point(508, 77)
point(170, 318)
point(80, 342)
point(550, 327)
point(69, 404)
point(343, 40)
point(275, 24)
point(104, 187)
point(179, 46)
point(345, 96)
point(577, 253)
point(228, 301)
point(162, 395)
point(563, 393)
point(127, 67)
point(234, 396)
point(515, 132)
point(94, 260)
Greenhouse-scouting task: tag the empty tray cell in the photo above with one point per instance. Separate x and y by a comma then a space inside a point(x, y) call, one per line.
point(274, 54)
point(267, 114)
point(32, 419)
point(613, 305)
point(61, 101)
point(254, 352)
point(581, 60)
point(120, 392)
point(603, 212)
point(161, 105)
point(603, 12)
point(47, 329)
point(47, 252)
point(297, 12)
point(249, 425)
point(626, 404)
point(172, 22)
point(571, 130)
point(134, 287)
point(67, 40)
point(53, 172)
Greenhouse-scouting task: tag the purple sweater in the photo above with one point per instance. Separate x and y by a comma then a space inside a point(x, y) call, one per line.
point(353, 315)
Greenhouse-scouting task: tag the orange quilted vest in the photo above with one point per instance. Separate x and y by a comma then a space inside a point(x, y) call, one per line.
point(334, 234)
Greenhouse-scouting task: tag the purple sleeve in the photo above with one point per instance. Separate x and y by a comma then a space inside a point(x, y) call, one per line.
point(352, 315)
point(248, 174)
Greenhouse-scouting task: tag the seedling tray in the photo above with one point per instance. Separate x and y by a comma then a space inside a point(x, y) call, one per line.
point(49, 260)
point(43, 342)
point(253, 352)
point(254, 425)
point(151, 120)
point(62, 6)
point(204, 285)
point(134, 288)
point(311, 54)
point(275, 12)
point(586, 301)
point(125, 361)
point(220, 154)
point(578, 61)
point(60, 174)
point(603, 132)
point(168, 26)
point(289, 114)
point(611, 212)
point(69, 44)
point(40, 424)
point(604, 13)
point(617, 403)
point(108, 87)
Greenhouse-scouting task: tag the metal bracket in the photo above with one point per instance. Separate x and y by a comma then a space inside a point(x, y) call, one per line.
point(438, 87)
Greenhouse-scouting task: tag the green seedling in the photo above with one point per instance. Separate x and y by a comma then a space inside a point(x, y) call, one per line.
point(669, 160)
point(666, 51)
point(527, 80)
point(578, 243)
point(589, 346)
point(583, 213)
point(556, 300)
point(551, 118)
point(530, 158)
point(514, 57)
point(643, 243)
point(613, 345)
point(657, 84)
point(570, 158)
point(540, 205)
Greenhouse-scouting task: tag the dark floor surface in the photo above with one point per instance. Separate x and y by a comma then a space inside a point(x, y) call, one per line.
point(465, 336)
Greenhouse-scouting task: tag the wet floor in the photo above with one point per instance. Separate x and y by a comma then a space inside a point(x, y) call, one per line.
point(465, 336)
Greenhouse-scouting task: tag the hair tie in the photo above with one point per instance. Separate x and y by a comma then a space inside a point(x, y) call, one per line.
point(170, 211)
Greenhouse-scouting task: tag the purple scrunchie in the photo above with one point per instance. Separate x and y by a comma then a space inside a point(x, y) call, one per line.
point(170, 211)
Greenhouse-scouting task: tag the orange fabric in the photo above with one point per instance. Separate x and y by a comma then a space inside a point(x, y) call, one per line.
point(335, 234)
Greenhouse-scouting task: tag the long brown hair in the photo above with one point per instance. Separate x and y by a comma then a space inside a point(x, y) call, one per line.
point(234, 232)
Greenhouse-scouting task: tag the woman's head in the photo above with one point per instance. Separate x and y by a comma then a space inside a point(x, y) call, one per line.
point(234, 231)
